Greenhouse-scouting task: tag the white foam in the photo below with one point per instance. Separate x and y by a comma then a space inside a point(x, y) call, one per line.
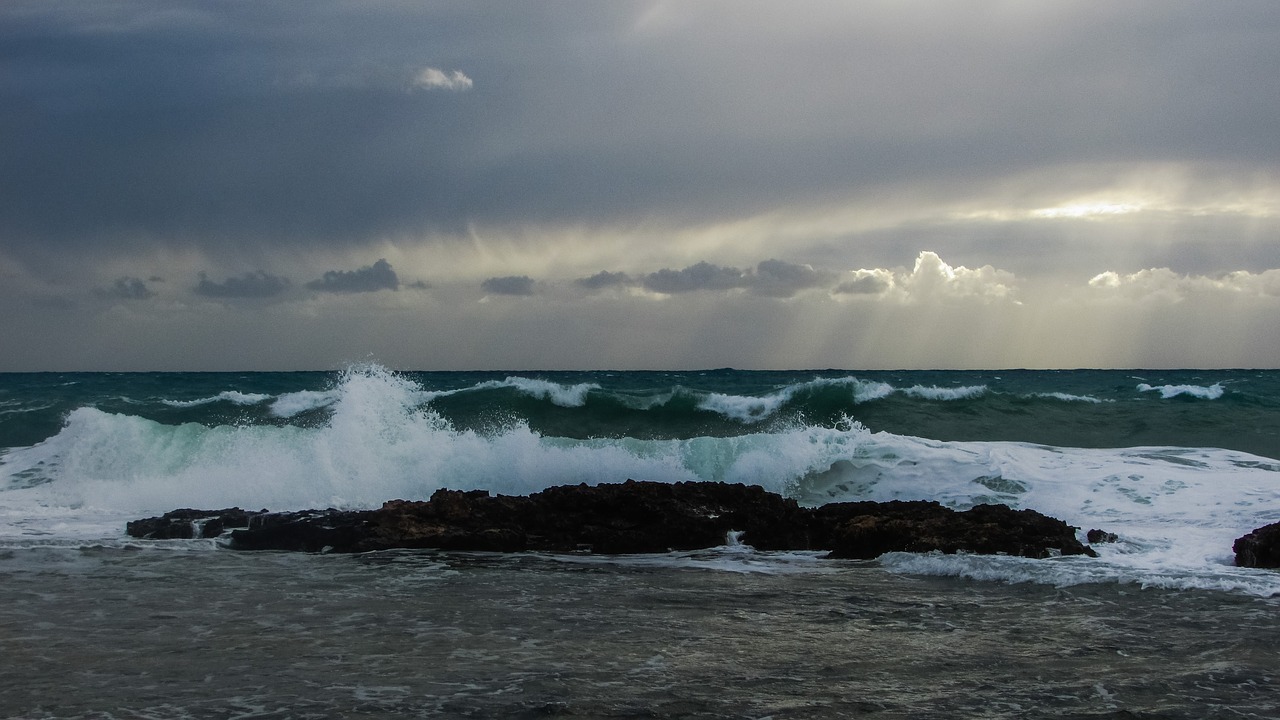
point(1177, 510)
point(1212, 392)
point(230, 396)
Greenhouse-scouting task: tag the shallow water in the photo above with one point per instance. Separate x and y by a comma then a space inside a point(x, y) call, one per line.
point(182, 630)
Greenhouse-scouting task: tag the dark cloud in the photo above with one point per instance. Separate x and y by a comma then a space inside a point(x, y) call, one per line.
point(510, 285)
point(777, 278)
point(703, 276)
point(126, 288)
point(604, 279)
point(257, 284)
point(774, 278)
point(378, 276)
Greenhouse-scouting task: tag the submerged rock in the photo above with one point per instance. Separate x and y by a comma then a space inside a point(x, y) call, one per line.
point(640, 517)
point(1260, 548)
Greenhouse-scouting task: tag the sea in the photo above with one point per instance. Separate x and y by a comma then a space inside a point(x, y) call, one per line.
point(1176, 463)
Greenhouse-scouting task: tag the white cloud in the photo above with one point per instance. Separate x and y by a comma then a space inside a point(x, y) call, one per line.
point(933, 279)
point(430, 78)
point(1163, 283)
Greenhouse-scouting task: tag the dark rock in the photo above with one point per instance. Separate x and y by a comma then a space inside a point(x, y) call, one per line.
point(1260, 548)
point(1101, 536)
point(640, 517)
point(643, 517)
point(186, 524)
point(867, 530)
point(306, 531)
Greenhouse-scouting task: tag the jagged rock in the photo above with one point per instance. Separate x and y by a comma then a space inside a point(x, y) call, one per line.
point(1260, 548)
point(642, 517)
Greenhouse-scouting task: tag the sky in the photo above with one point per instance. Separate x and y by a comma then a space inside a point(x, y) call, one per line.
point(265, 185)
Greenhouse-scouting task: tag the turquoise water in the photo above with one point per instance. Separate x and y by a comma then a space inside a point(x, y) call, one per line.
point(1233, 409)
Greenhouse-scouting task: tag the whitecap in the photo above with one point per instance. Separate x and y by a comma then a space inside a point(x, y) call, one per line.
point(1212, 392)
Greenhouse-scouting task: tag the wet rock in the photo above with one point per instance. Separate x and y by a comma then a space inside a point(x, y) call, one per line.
point(644, 517)
point(1260, 548)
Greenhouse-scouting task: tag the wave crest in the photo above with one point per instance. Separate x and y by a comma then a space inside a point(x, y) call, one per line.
point(1212, 392)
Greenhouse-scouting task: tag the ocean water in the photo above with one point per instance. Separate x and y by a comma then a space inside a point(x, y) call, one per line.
point(1176, 463)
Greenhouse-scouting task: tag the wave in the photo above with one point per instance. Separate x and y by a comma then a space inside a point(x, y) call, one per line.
point(568, 396)
point(1212, 392)
point(752, 409)
point(1177, 510)
point(231, 396)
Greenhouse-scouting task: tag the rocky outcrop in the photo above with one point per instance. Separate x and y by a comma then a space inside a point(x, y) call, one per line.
point(1260, 548)
point(636, 517)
